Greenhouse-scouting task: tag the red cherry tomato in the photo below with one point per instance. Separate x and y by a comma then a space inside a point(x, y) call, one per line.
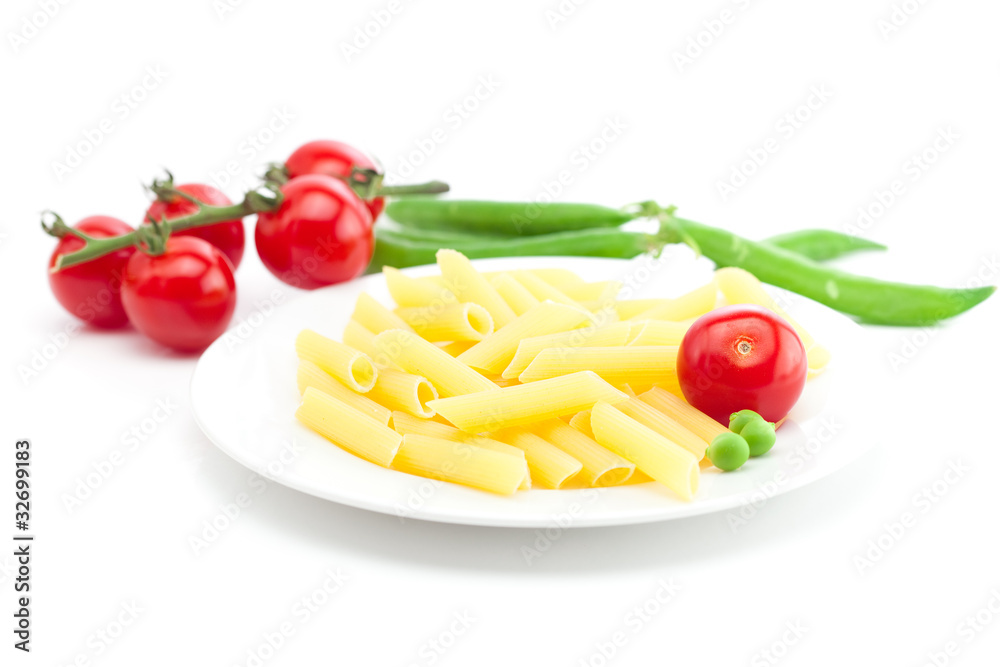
point(183, 298)
point(321, 233)
point(92, 290)
point(228, 236)
point(332, 158)
point(742, 358)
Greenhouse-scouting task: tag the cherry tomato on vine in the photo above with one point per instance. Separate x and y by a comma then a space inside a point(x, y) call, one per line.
point(332, 158)
point(741, 357)
point(92, 290)
point(321, 233)
point(228, 236)
point(183, 298)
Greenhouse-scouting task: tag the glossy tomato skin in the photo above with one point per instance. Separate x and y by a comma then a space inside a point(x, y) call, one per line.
point(321, 233)
point(92, 291)
point(228, 236)
point(332, 158)
point(742, 357)
point(184, 298)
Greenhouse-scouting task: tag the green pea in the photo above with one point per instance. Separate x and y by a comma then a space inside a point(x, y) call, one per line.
point(760, 436)
point(738, 420)
point(728, 451)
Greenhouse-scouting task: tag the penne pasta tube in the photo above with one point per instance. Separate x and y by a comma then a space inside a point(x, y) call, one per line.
point(526, 403)
point(550, 466)
point(605, 290)
point(628, 309)
point(311, 375)
point(469, 285)
point(495, 352)
point(375, 317)
point(542, 290)
point(397, 390)
point(457, 322)
point(638, 365)
point(600, 467)
point(739, 286)
point(660, 332)
point(581, 422)
point(589, 336)
point(406, 424)
point(693, 304)
point(669, 428)
point(514, 293)
point(411, 353)
point(410, 292)
point(556, 277)
point(677, 409)
point(663, 460)
point(459, 463)
point(355, 369)
point(361, 339)
point(349, 428)
point(457, 347)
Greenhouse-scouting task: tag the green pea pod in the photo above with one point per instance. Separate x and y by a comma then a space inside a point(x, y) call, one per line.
point(868, 299)
point(822, 244)
point(399, 251)
point(504, 218)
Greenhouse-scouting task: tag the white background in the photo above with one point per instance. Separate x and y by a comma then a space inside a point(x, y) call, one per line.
point(685, 128)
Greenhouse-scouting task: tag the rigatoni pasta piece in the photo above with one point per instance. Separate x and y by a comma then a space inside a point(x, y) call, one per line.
point(375, 317)
point(660, 332)
point(600, 467)
point(411, 353)
point(360, 338)
point(495, 352)
point(739, 286)
point(669, 428)
point(589, 336)
point(469, 285)
point(355, 369)
point(677, 409)
point(349, 428)
point(311, 375)
point(695, 303)
point(514, 293)
point(641, 365)
point(526, 403)
point(404, 391)
point(460, 463)
point(410, 292)
point(459, 321)
point(665, 461)
point(550, 466)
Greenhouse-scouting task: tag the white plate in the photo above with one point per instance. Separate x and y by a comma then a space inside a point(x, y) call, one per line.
point(244, 395)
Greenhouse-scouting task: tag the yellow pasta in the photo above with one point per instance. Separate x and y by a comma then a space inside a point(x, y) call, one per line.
point(375, 317)
point(638, 365)
point(581, 422)
point(677, 409)
point(526, 403)
point(457, 347)
point(311, 375)
point(600, 467)
point(459, 321)
point(355, 369)
point(589, 336)
point(403, 391)
point(469, 285)
point(658, 457)
point(514, 293)
point(660, 332)
point(550, 466)
point(739, 286)
point(542, 290)
point(495, 352)
point(359, 338)
point(628, 309)
point(410, 292)
point(411, 353)
point(555, 277)
point(604, 291)
point(349, 428)
point(693, 304)
point(460, 463)
point(669, 428)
